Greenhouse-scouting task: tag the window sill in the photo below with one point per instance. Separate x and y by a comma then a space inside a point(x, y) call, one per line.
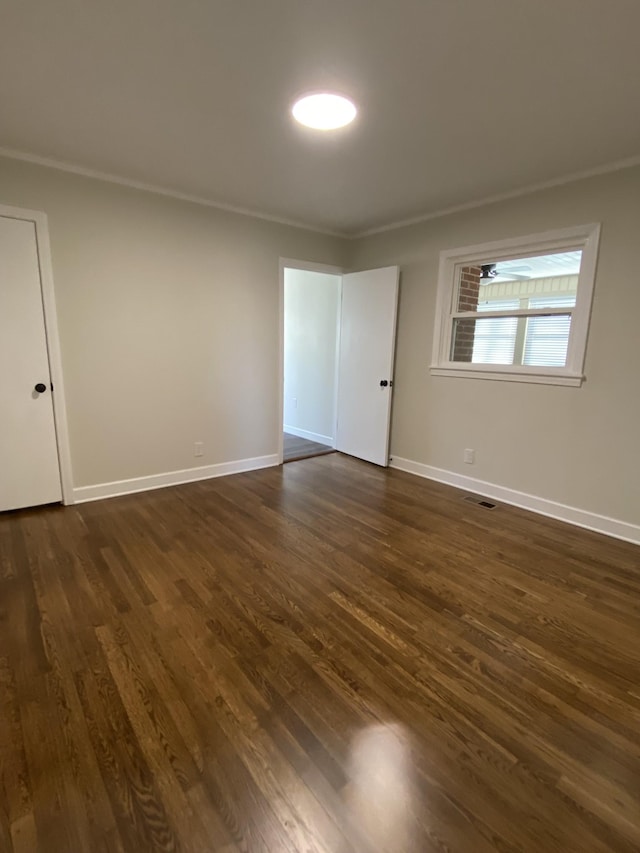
point(503, 374)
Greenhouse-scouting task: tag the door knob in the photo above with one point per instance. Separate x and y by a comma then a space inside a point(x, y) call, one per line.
point(40, 388)
point(383, 383)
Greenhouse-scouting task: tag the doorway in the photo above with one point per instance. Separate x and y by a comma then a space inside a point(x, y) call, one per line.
point(361, 384)
point(311, 316)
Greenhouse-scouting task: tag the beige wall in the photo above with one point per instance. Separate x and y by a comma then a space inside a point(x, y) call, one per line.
point(168, 315)
point(311, 302)
point(577, 446)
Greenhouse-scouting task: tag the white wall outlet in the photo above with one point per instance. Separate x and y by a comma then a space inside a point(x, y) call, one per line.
point(294, 402)
point(198, 449)
point(469, 456)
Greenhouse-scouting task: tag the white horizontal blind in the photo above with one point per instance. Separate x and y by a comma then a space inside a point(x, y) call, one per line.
point(547, 338)
point(495, 337)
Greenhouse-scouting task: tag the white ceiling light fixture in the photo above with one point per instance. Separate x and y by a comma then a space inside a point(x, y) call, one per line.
point(324, 111)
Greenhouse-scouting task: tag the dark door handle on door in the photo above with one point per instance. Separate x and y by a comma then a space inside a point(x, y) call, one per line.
point(40, 388)
point(383, 383)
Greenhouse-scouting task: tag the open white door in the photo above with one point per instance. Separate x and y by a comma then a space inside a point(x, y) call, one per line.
point(29, 469)
point(365, 370)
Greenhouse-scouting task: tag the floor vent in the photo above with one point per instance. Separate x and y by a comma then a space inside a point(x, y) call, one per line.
point(479, 502)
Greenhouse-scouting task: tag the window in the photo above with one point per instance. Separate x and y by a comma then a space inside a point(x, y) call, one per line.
point(517, 309)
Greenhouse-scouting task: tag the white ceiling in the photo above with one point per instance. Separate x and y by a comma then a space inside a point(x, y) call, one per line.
point(459, 99)
point(541, 266)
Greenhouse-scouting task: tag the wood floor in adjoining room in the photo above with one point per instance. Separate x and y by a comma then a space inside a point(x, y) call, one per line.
point(324, 656)
point(295, 448)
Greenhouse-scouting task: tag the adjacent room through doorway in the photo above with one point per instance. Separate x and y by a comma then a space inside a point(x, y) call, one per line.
point(338, 344)
point(311, 321)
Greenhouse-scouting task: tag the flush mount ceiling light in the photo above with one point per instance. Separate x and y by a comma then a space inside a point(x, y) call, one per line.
point(324, 111)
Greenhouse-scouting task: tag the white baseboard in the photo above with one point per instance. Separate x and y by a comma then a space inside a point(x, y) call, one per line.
point(312, 436)
point(172, 478)
point(572, 515)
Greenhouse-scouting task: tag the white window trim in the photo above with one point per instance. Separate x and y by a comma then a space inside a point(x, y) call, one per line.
point(583, 237)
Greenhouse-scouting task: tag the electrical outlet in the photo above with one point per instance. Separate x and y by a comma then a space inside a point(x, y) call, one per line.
point(469, 456)
point(294, 402)
point(198, 449)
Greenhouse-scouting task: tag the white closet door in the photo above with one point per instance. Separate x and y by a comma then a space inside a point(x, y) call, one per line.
point(29, 469)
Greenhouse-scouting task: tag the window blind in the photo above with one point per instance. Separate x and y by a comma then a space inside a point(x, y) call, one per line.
point(495, 337)
point(547, 338)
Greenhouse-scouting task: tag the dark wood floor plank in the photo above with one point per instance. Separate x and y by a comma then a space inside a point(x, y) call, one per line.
point(16, 805)
point(327, 656)
point(158, 742)
point(140, 815)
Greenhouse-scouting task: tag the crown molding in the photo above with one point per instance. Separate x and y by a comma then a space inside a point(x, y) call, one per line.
point(63, 166)
point(616, 166)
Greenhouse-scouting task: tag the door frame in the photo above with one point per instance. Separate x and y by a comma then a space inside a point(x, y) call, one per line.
point(308, 266)
point(43, 248)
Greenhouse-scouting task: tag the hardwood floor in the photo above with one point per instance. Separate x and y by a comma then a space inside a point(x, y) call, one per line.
point(295, 448)
point(325, 656)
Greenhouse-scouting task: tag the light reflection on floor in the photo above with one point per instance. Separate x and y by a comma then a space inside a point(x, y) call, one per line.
point(380, 798)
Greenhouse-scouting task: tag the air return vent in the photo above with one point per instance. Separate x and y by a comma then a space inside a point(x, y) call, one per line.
point(473, 499)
